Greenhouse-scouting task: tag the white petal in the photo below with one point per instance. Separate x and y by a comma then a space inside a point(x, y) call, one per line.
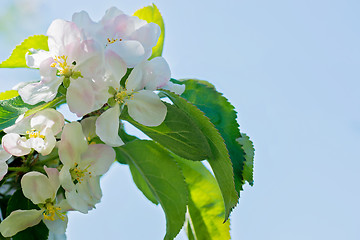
point(66, 179)
point(15, 145)
point(37, 144)
point(53, 175)
point(176, 88)
point(110, 15)
point(36, 57)
point(34, 93)
point(135, 80)
point(37, 187)
point(54, 236)
point(107, 127)
point(132, 52)
point(49, 144)
point(86, 193)
point(95, 189)
point(3, 169)
point(62, 33)
point(76, 201)
point(148, 35)
point(19, 220)
point(72, 144)
point(115, 68)
point(4, 156)
point(21, 125)
point(48, 118)
point(80, 97)
point(156, 73)
point(57, 226)
point(146, 108)
point(99, 157)
point(88, 127)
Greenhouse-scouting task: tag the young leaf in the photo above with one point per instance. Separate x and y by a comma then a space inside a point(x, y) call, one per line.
point(248, 147)
point(38, 232)
point(177, 133)
point(17, 58)
point(219, 161)
point(222, 114)
point(8, 95)
point(163, 177)
point(152, 14)
point(206, 208)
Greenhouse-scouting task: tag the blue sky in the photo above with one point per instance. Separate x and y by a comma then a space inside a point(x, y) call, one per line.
point(291, 69)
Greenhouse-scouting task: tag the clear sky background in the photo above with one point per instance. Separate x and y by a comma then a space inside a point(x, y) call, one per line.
point(291, 69)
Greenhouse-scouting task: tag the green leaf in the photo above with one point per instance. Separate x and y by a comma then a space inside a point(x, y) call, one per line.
point(219, 161)
point(8, 95)
point(152, 14)
point(222, 114)
point(177, 133)
point(206, 208)
point(164, 179)
point(17, 58)
point(248, 147)
point(38, 232)
point(11, 109)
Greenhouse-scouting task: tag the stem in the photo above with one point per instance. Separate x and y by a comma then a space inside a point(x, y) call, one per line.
point(18, 169)
point(54, 103)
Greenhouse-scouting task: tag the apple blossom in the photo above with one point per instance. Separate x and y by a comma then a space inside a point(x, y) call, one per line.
point(83, 165)
point(72, 60)
point(33, 132)
point(41, 190)
point(128, 36)
point(144, 106)
point(4, 156)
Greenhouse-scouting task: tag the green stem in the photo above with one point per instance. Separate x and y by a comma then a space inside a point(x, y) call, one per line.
point(18, 169)
point(54, 103)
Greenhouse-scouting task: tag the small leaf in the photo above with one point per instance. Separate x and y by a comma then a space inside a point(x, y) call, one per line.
point(17, 58)
point(163, 177)
point(8, 95)
point(38, 232)
point(219, 161)
point(248, 147)
point(177, 133)
point(206, 208)
point(222, 114)
point(152, 14)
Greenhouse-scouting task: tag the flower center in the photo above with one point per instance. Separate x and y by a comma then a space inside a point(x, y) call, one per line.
point(78, 174)
point(50, 212)
point(112, 40)
point(34, 134)
point(64, 68)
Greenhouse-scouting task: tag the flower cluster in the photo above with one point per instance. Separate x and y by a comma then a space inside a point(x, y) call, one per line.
point(101, 68)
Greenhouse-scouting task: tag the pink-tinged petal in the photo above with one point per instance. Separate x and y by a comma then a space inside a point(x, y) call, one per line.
point(53, 175)
point(19, 220)
point(99, 157)
point(58, 226)
point(36, 57)
point(15, 145)
point(4, 156)
point(37, 187)
point(146, 108)
point(88, 127)
point(176, 88)
point(3, 169)
point(66, 180)
point(110, 15)
point(135, 80)
point(132, 52)
point(84, 22)
point(147, 35)
point(76, 201)
point(80, 96)
point(34, 93)
point(21, 125)
point(115, 68)
point(156, 73)
point(107, 127)
point(62, 33)
point(72, 144)
point(48, 119)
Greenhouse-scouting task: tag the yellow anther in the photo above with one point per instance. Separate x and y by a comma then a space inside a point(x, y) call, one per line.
point(34, 134)
point(112, 40)
point(50, 212)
